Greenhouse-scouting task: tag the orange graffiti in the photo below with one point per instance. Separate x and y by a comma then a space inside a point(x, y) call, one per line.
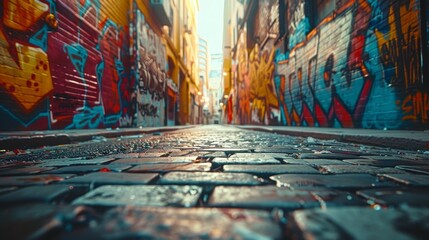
point(243, 83)
point(399, 47)
point(29, 80)
point(416, 106)
point(261, 82)
point(21, 15)
point(26, 76)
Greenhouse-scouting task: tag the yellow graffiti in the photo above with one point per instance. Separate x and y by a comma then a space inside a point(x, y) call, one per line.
point(261, 81)
point(114, 10)
point(243, 85)
point(29, 80)
point(20, 15)
point(400, 46)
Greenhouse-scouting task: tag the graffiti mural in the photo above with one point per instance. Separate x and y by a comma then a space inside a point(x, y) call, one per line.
point(66, 65)
point(256, 97)
point(360, 68)
point(150, 62)
point(299, 24)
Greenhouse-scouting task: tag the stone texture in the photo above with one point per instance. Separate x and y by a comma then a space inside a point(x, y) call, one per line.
point(135, 161)
point(34, 221)
point(209, 178)
point(338, 156)
point(409, 179)
point(48, 193)
point(110, 178)
point(382, 162)
point(271, 169)
point(343, 169)
point(422, 169)
point(24, 170)
point(33, 179)
point(331, 181)
point(179, 223)
point(278, 197)
point(188, 167)
point(91, 168)
point(62, 162)
point(360, 223)
point(160, 196)
point(398, 196)
point(249, 160)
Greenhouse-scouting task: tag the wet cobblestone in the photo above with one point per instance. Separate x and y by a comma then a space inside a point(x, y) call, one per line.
point(214, 182)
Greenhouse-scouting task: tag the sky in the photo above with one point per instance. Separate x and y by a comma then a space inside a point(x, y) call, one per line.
point(210, 24)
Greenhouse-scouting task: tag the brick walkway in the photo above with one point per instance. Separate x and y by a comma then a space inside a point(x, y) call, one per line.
point(216, 182)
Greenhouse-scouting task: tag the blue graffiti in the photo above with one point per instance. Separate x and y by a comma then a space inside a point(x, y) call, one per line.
point(78, 56)
point(300, 33)
point(40, 38)
point(87, 118)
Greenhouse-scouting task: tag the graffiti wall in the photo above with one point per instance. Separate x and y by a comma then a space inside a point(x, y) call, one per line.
point(150, 61)
point(65, 64)
point(359, 68)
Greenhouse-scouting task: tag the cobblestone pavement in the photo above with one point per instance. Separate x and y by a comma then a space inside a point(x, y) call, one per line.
point(214, 182)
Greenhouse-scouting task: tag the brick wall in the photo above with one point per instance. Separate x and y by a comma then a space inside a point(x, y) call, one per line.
point(358, 68)
point(67, 64)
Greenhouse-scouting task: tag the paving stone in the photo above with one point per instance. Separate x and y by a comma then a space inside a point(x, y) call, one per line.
point(344, 169)
point(276, 197)
point(418, 169)
point(382, 162)
point(48, 193)
point(91, 168)
point(227, 150)
point(152, 154)
point(360, 223)
point(179, 154)
point(295, 161)
point(270, 169)
point(160, 196)
point(35, 221)
point(63, 162)
point(184, 223)
point(111, 178)
point(215, 154)
point(135, 161)
point(327, 156)
point(399, 196)
point(409, 179)
point(341, 181)
point(193, 167)
point(209, 178)
point(319, 162)
point(196, 154)
point(250, 160)
point(24, 170)
point(259, 155)
point(281, 150)
point(138, 155)
point(384, 158)
point(32, 179)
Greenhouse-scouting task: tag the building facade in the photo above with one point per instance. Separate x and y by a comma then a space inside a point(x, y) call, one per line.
point(96, 64)
point(328, 63)
point(214, 88)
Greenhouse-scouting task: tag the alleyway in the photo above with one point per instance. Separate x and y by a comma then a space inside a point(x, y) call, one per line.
point(214, 182)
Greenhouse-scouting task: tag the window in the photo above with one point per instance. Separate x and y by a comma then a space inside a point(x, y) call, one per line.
point(323, 8)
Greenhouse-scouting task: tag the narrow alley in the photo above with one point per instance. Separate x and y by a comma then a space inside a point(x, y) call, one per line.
point(214, 182)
